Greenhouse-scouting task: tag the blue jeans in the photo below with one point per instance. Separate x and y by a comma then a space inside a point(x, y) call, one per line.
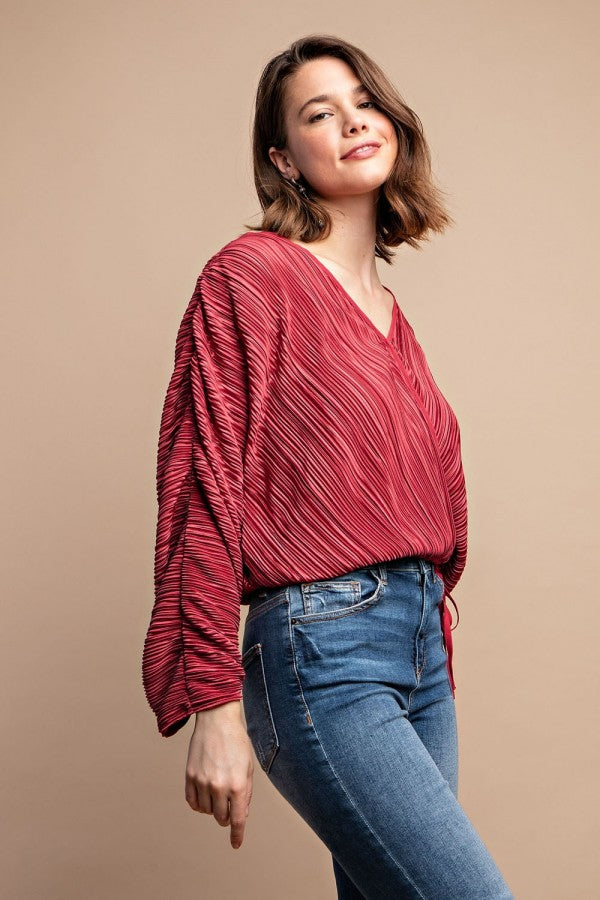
point(350, 712)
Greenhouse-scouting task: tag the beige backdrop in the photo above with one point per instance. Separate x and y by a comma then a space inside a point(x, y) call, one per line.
point(126, 164)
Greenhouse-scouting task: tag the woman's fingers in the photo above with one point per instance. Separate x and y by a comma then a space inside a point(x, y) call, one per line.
point(219, 770)
point(239, 808)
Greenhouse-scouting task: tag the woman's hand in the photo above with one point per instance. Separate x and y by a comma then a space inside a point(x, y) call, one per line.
point(220, 766)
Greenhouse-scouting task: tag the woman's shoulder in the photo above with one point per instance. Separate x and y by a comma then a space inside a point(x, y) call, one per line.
point(254, 265)
point(243, 278)
point(247, 247)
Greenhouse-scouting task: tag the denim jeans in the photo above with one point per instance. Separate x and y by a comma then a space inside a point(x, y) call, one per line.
point(350, 712)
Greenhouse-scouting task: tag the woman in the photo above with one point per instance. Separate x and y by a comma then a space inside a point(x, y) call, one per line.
point(309, 467)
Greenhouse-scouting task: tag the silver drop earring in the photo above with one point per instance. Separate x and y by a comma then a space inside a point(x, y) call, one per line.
point(300, 187)
point(302, 190)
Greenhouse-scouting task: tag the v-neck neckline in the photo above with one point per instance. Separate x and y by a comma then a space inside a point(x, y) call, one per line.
point(362, 314)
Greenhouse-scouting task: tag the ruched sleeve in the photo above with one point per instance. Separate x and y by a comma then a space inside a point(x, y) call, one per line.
point(296, 442)
point(191, 658)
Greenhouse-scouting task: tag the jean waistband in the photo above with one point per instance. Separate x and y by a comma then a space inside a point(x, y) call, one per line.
point(399, 564)
point(409, 563)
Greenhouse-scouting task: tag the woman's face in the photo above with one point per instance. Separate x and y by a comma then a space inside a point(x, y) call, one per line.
point(321, 132)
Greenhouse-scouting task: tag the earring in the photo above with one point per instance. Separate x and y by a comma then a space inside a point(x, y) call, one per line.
point(300, 187)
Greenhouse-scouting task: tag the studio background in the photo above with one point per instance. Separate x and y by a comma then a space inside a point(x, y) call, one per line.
point(125, 165)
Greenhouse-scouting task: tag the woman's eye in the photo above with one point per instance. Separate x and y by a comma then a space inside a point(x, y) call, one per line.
point(316, 118)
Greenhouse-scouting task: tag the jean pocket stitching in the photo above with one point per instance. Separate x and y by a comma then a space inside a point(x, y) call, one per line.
point(351, 587)
point(358, 606)
point(260, 724)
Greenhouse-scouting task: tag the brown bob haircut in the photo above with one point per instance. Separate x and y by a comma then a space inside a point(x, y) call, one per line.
point(409, 203)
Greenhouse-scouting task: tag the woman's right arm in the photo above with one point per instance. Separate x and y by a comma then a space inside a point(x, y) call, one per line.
point(220, 768)
point(191, 660)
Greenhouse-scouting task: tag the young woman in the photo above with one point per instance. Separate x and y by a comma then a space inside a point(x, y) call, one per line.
point(309, 467)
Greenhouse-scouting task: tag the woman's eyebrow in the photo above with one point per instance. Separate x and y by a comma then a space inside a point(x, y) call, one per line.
point(323, 98)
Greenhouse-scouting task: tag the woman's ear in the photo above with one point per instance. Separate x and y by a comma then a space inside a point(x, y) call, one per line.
point(280, 159)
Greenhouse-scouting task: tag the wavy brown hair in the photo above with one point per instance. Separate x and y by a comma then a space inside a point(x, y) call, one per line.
point(409, 203)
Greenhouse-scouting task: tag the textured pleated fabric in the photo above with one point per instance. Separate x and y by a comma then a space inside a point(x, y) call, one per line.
point(297, 442)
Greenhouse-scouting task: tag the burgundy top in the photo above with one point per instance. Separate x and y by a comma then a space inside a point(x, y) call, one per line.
point(297, 442)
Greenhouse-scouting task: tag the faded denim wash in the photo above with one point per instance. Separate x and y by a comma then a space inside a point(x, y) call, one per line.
point(350, 712)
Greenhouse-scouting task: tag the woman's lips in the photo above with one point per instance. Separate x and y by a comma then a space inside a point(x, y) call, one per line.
point(362, 152)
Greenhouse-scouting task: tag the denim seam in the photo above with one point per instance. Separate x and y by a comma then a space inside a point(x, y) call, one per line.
point(422, 628)
point(263, 607)
point(338, 779)
point(255, 653)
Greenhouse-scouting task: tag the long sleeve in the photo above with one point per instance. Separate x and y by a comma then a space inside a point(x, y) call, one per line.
point(191, 658)
point(296, 442)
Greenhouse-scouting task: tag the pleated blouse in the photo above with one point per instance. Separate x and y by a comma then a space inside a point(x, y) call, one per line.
point(297, 442)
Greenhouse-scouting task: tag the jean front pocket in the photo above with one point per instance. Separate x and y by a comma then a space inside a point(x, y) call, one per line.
point(257, 709)
point(345, 595)
point(266, 599)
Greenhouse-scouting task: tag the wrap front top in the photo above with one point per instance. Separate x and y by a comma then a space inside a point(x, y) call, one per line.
point(297, 442)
